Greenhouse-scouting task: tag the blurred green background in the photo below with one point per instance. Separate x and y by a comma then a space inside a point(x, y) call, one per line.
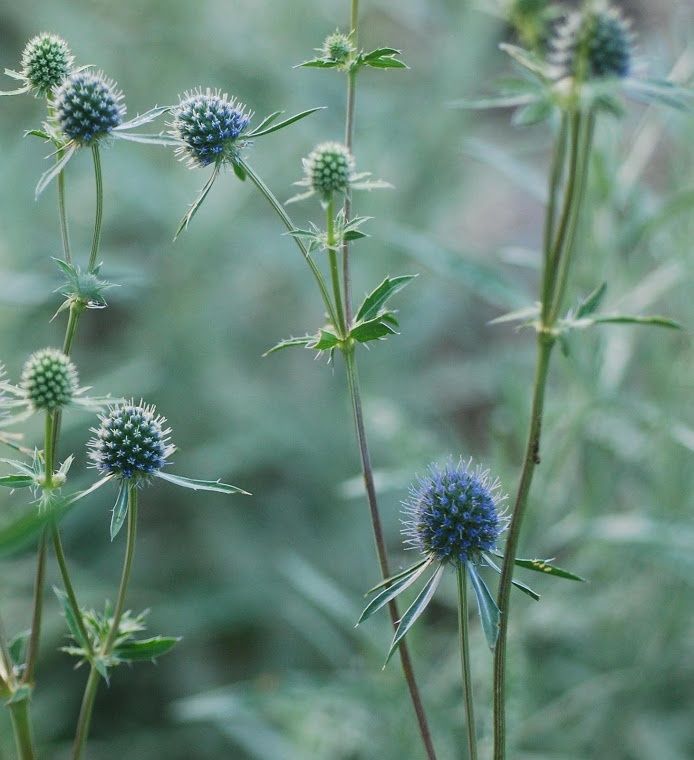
point(265, 591)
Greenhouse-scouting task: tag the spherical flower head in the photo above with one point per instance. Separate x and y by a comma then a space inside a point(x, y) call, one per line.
point(329, 169)
point(49, 379)
point(338, 47)
point(594, 44)
point(131, 442)
point(46, 62)
point(208, 125)
point(453, 513)
point(88, 106)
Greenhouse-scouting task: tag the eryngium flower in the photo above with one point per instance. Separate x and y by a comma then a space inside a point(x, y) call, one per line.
point(88, 106)
point(594, 44)
point(329, 169)
point(338, 47)
point(131, 442)
point(46, 62)
point(208, 124)
point(49, 379)
point(453, 513)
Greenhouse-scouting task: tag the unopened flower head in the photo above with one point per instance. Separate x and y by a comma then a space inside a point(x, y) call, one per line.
point(46, 62)
point(49, 379)
point(208, 126)
point(329, 169)
point(131, 442)
point(338, 47)
point(592, 44)
point(88, 106)
point(452, 514)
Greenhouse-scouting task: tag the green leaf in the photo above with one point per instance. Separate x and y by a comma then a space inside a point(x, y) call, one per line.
point(501, 101)
point(69, 615)
point(317, 63)
point(415, 610)
point(282, 124)
point(37, 133)
point(120, 509)
point(393, 578)
point(17, 647)
point(386, 63)
point(48, 176)
point(489, 612)
point(325, 340)
point(17, 481)
point(660, 91)
point(201, 485)
point(145, 649)
point(373, 329)
point(624, 319)
point(521, 586)
point(353, 235)
point(380, 52)
point(533, 113)
point(591, 302)
point(405, 581)
point(195, 205)
point(289, 342)
point(20, 694)
point(101, 668)
point(375, 301)
point(239, 171)
point(545, 566)
point(526, 314)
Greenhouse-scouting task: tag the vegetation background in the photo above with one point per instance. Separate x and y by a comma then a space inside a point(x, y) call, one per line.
point(265, 591)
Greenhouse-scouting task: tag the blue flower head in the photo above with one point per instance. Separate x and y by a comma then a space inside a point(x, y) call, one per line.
point(208, 125)
point(453, 513)
point(88, 106)
point(131, 442)
point(46, 62)
point(594, 44)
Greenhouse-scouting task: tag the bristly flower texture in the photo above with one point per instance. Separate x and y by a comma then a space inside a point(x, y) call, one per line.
point(594, 44)
point(453, 513)
point(131, 443)
point(208, 125)
point(49, 379)
point(46, 62)
point(338, 48)
point(88, 107)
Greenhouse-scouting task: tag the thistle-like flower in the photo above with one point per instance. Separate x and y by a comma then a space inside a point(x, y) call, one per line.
point(46, 62)
point(339, 49)
point(594, 44)
point(131, 443)
point(88, 107)
point(207, 126)
point(49, 379)
point(330, 169)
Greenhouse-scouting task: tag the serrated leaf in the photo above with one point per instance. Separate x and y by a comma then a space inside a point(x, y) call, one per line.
point(591, 302)
point(405, 580)
point(385, 63)
point(37, 133)
point(378, 297)
point(17, 481)
point(289, 342)
point(201, 485)
point(545, 566)
point(489, 612)
point(69, 615)
point(195, 205)
point(415, 610)
point(353, 235)
point(285, 123)
point(520, 586)
point(317, 63)
point(145, 649)
point(380, 52)
point(325, 340)
point(372, 329)
point(120, 509)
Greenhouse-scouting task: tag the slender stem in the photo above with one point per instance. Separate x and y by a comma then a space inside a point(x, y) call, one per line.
point(286, 220)
point(62, 213)
point(465, 662)
point(69, 589)
point(35, 635)
point(92, 685)
point(21, 725)
point(99, 212)
point(49, 450)
point(532, 459)
point(406, 662)
point(349, 142)
point(556, 174)
point(334, 272)
point(71, 329)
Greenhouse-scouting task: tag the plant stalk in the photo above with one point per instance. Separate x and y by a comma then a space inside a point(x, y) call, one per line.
point(334, 272)
point(99, 211)
point(21, 726)
point(92, 684)
point(465, 662)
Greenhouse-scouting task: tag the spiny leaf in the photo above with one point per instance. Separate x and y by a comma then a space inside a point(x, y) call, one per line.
point(17, 481)
point(69, 615)
point(391, 579)
point(201, 485)
point(379, 296)
point(545, 566)
point(591, 302)
point(289, 342)
point(405, 581)
point(195, 205)
point(282, 124)
point(521, 586)
point(489, 612)
point(145, 649)
point(373, 329)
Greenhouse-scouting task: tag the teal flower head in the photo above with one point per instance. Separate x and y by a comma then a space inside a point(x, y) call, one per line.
point(46, 63)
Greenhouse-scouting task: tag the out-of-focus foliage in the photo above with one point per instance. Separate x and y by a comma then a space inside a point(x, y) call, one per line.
point(265, 592)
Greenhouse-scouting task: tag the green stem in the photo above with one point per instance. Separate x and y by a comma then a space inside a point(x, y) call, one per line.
point(532, 459)
point(69, 589)
point(334, 272)
point(62, 213)
point(21, 725)
point(381, 551)
point(35, 635)
point(92, 685)
point(286, 220)
point(465, 662)
point(49, 450)
point(99, 212)
point(556, 175)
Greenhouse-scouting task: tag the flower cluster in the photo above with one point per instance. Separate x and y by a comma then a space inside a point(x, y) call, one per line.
point(131, 442)
point(88, 107)
point(207, 125)
point(46, 62)
point(49, 379)
point(593, 45)
point(453, 513)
